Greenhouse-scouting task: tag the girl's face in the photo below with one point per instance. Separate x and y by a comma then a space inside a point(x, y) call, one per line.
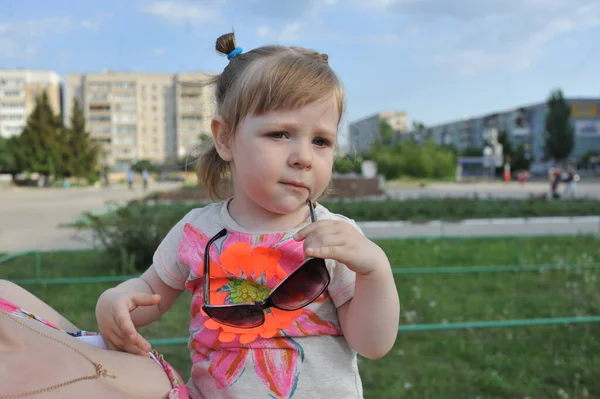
point(282, 158)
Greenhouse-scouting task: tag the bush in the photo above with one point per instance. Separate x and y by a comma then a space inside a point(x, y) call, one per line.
point(348, 165)
point(132, 234)
point(414, 160)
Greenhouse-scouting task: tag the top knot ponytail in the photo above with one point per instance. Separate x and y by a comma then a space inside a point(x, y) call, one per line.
point(226, 43)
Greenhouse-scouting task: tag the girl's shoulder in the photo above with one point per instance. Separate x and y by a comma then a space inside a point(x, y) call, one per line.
point(207, 214)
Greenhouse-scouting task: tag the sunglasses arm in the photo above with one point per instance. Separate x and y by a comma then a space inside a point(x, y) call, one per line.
point(206, 293)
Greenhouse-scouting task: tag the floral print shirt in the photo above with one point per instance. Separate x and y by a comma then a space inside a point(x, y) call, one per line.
point(294, 354)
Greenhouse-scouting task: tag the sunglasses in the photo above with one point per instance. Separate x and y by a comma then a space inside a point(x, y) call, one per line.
point(296, 291)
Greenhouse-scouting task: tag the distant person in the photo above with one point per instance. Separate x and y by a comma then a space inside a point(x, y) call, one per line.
point(130, 177)
point(523, 174)
point(555, 181)
point(145, 176)
point(570, 180)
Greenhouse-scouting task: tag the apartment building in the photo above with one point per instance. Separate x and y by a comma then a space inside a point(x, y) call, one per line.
point(366, 131)
point(525, 126)
point(18, 91)
point(138, 116)
point(195, 107)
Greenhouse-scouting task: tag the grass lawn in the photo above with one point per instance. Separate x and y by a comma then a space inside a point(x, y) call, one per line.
point(536, 362)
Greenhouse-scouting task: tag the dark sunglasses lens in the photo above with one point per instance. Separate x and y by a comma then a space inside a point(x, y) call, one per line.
point(241, 316)
point(303, 286)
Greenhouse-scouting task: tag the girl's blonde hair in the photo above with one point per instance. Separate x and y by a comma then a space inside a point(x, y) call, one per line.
point(265, 79)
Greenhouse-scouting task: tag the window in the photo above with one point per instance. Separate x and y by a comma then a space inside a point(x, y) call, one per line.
point(125, 129)
point(102, 118)
point(13, 93)
point(126, 107)
point(124, 140)
point(99, 107)
point(98, 97)
point(99, 86)
point(100, 129)
point(120, 118)
point(125, 85)
point(12, 117)
point(17, 83)
point(13, 105)
point(191, 118)
point(123, 97)
point(103, 140)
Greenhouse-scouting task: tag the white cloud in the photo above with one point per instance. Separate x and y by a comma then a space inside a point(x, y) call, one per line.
point(43, 26)
point(289, 32)
point(7, 47)
point(22, 39)
point(472, 35)
point(381, 39)
point(288, 21)
point(182, 12)
point(94, 23)
point(158, 51)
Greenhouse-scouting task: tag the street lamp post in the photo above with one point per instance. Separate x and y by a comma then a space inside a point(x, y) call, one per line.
point(488, 159)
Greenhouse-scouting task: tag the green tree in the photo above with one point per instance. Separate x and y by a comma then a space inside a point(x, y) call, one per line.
point(142, 164)
point(347, 164)
point(507, 147)
point(519, 161)
point(81, 152)
point(559, 132)
point(8, 154)
point(472, 151)
point(41, 145)
point(418, 126)
point(589, 158)
point(386, 133)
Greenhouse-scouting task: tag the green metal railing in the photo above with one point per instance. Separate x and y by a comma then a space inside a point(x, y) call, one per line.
point(397, 271)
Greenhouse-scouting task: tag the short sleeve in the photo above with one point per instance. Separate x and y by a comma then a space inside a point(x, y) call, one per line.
point(341, 287)
point(165, 261)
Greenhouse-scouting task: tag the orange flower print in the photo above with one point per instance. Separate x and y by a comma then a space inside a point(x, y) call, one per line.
point(245, 268)
point(259, 272)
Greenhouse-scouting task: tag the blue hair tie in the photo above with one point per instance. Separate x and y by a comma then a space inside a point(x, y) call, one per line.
point(234, 53)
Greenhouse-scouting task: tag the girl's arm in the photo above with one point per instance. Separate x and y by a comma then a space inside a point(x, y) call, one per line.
point(370, 319)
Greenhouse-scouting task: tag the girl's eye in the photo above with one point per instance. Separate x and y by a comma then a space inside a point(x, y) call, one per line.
point(277, 135)
point(320, 142)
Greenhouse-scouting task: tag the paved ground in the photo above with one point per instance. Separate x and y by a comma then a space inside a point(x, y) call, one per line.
point(29, 217)
point(484, 190)
point(485, 227)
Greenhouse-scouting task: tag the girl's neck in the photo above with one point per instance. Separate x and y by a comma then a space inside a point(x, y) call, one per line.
point(252, 217)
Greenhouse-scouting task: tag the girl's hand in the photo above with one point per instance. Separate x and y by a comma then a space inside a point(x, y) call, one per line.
point(339, 240)
point(113, 313)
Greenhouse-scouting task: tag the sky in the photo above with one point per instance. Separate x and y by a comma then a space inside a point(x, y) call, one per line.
point(436, 60)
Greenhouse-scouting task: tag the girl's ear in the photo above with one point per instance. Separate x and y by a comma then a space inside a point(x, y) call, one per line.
point(221, 138)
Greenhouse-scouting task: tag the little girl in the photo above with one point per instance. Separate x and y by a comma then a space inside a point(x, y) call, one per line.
point(294, 291)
